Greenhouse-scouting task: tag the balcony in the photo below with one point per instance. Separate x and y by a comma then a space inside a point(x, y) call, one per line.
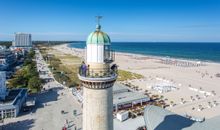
point(98, 74)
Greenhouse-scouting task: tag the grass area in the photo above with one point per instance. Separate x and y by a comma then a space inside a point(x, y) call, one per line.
point(64, 66)
point(126, 75)
point(69, 64)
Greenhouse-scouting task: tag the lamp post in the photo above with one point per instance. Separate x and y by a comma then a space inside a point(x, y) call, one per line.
point(2, 122)
point(61, 73)
point(75, 114)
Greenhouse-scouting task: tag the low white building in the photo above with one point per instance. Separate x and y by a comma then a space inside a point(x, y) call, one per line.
point(10, 101)
point(123, 97)
point(12, 104)
point(122, 115)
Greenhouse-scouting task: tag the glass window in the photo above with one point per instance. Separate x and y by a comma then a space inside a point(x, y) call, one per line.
point(107, 52)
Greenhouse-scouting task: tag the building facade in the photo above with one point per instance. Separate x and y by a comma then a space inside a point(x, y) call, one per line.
point(22, 40)
point(3, 92)
point(97, 76)
point(12, 104)
point(10, 101)
point(7, 59)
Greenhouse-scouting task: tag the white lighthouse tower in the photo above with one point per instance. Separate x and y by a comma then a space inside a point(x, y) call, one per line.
point(97, 76)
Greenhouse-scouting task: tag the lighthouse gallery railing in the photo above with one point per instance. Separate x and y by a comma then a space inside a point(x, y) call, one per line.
point(98, 73)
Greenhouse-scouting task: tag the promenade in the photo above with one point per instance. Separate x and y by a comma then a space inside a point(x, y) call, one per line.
point(54, 108)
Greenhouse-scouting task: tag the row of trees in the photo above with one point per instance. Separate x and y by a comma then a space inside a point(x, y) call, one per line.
point(6, 43)
point(27, 76)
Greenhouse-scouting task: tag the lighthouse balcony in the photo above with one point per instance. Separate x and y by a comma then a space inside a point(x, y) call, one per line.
point(110, 74)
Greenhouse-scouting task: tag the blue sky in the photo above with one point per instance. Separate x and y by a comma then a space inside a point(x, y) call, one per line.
point(124, 20)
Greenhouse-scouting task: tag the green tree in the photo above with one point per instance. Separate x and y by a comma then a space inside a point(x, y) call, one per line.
point(27, 76)
point(31, 54)
point(34, 83)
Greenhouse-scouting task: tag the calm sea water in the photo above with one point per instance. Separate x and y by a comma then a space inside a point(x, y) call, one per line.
point(194, 51)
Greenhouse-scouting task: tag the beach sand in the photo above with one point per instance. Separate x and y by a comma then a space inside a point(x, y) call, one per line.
point(202, 78)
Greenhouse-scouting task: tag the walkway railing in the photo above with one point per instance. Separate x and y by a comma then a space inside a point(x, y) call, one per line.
point(97, 73)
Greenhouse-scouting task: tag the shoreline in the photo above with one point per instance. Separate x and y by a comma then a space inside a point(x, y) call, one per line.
point(153, 56)
point(150, 56)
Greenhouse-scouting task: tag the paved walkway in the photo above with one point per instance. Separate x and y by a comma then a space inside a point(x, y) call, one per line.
point(47, 113)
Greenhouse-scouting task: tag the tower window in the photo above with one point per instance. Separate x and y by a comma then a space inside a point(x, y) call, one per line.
point(107, 52)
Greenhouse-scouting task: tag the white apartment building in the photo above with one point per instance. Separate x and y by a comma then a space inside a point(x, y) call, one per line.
point(22, 40)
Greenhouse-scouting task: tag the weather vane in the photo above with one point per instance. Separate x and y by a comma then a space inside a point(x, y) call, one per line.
point(98, 19)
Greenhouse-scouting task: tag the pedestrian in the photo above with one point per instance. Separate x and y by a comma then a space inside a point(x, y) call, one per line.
point(83, 69)
point(66, 121)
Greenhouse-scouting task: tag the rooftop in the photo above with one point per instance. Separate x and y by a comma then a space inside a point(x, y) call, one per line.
point(122, 94)
point(157, 118)
point(13, 96)
point(130, 124)
point(98, 37)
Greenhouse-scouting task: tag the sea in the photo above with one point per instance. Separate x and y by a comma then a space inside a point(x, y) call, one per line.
point(209, 52)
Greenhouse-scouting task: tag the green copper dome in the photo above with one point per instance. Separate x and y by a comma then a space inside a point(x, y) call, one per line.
point(98, 37)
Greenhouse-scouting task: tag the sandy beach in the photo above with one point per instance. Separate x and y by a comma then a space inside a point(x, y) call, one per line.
point(197, 90)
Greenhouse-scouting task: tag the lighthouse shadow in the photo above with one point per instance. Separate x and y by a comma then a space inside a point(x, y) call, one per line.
point(174, 122)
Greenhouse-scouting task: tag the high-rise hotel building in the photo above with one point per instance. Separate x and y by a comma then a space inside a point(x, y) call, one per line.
point(22, 40)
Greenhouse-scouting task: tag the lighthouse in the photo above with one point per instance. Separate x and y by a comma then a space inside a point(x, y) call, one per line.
point(98, 74)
